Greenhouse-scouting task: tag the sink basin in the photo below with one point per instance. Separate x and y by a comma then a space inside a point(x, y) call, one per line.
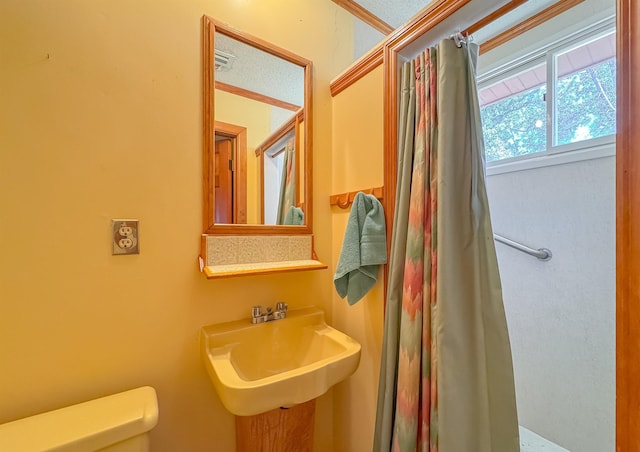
point(256, 368)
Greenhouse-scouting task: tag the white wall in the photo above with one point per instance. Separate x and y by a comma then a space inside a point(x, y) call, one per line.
point(365, 37)
point(561, 313)
point(272, 180)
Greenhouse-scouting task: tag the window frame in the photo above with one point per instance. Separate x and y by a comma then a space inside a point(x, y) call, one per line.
point(553, 154)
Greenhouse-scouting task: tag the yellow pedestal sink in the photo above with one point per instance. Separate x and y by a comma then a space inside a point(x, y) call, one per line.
point(256, 368)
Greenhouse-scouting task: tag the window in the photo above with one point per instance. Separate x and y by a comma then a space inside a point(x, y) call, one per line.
point(563, 95)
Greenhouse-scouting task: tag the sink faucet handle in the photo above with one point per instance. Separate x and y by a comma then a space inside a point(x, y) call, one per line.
point(281, 306)
point(256, 311)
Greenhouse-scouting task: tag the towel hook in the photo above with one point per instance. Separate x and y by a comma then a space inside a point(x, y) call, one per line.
point(343, 201)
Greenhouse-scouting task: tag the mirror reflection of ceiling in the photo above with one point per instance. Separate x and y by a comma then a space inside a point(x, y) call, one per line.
point(258, 71)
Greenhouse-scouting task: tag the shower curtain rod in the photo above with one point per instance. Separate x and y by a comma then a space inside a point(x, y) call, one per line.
point(543, 254)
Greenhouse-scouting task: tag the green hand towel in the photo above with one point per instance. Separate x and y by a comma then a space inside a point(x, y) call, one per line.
point(295, 216)
point(364, 249)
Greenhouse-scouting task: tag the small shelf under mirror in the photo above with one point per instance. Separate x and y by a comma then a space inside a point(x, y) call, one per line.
point(224, 256)
point(261, 268)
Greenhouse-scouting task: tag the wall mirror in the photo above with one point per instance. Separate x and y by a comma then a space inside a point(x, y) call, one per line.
point(256, 135)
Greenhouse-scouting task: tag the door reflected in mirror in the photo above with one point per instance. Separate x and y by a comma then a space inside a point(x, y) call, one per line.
point(257, 142)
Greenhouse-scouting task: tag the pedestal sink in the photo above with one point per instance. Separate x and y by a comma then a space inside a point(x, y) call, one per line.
point(256, 368)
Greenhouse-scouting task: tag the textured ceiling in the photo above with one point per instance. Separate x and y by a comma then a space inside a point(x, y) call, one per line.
point(394, 12)
point(261, 72)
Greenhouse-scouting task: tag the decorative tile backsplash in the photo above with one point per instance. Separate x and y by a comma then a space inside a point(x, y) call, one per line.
point(243, 249)
point(225, 251)
point(300, 248)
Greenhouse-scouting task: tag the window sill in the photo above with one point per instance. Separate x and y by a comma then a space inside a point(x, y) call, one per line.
point(550, 159)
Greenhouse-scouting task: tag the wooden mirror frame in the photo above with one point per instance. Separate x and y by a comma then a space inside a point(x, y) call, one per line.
point(209, 28)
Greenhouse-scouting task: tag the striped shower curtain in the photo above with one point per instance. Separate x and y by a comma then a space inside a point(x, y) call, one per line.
point(446, 378)
point(287, 196)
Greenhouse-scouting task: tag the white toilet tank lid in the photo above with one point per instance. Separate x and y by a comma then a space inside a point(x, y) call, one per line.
point(86, 426)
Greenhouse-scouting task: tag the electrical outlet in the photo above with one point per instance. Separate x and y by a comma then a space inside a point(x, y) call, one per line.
point(124, 237)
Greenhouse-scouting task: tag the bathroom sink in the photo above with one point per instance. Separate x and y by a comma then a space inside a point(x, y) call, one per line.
point(258, 367)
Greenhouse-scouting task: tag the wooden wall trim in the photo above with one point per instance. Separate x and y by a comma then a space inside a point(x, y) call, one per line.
point(308, 146)
point(628, 229)
point(528, 24)
point(280, 132)
point(390, 134)
point(259, 229)
point(256, 96)
point(513, 4)
point(260, 157)
point(296, 128)
point(432, 15)
point(365, 15)
point(364, 65)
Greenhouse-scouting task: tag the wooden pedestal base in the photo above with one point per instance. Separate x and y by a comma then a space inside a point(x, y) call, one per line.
point(279, 430)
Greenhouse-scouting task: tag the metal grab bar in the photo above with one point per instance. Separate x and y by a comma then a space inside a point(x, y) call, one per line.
point(543, 254)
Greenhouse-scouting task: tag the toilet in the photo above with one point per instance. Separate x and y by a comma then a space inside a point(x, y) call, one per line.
point(116, 423)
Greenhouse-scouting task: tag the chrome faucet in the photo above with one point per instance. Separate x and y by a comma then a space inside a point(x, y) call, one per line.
point(260, 316)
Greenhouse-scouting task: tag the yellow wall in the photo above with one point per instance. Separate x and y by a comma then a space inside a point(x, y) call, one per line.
point(100, 119)
point(357, 163)
point(256, 118)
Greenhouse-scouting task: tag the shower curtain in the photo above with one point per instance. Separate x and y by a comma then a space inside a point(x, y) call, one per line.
point(287, 197)
point(446, 377)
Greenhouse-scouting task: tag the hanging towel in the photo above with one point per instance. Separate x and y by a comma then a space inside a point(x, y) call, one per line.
point(295, 216)
point(364, 248)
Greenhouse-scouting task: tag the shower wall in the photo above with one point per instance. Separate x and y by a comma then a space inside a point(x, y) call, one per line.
point(561, 313)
